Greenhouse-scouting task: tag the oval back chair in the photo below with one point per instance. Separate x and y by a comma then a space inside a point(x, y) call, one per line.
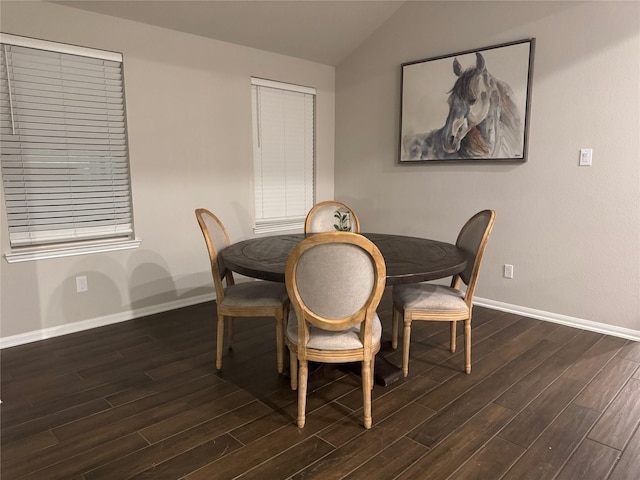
point(331, 216)
point(427, 301)
point(248, 299)
point(335, 282)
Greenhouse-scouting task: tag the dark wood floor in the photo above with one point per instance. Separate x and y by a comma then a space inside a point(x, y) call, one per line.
point(142, 400)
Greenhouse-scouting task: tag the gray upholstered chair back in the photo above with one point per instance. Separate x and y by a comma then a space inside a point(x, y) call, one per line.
point(216, 238)
point(473, 239)
point(331, 216)
point(335, 279)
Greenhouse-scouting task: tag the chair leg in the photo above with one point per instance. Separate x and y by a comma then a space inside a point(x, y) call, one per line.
point(405, 348)
point(373, 376)
point(293, 369)
point(366, 391)
point(279, 342)
point(220, 342)
point(394, 329)
point(467, 345)
point(303, 373)
point(453, 336)
point(230, 334)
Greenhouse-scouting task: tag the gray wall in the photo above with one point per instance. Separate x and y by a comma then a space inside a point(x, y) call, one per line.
point(189, 118)
point(572, 233)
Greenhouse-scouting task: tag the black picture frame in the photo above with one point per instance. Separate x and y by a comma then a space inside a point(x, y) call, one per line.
point(469, 106)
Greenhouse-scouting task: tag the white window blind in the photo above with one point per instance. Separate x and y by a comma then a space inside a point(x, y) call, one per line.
point(63, 140)
point(283, 154)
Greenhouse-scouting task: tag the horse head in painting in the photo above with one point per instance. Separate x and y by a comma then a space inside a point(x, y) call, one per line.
point(483, 120)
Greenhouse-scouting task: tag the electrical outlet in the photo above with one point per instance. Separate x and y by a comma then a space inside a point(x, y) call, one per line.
point(508, 271)
point(81, 284)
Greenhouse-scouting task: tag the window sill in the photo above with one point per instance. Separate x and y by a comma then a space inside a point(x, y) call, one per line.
point(277, 228)
point(44, 253)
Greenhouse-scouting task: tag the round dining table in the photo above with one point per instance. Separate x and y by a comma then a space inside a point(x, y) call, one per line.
point(407, 259)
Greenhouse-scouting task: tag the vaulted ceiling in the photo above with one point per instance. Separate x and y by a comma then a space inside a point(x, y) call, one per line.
point(323, 31)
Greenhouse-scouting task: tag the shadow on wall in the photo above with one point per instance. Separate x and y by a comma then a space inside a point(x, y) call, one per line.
point(104, 296)
point(112, 290)
point(96, 302)
point(151, 283)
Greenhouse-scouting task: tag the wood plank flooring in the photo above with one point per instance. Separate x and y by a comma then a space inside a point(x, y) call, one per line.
point(142, 400)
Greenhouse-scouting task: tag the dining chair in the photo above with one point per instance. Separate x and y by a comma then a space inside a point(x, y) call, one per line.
point(330, 216)
point(248, 299)
point(335, 281)
point(427, 301)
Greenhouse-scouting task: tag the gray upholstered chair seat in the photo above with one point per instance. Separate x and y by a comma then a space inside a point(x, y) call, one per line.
point(429, 297)
point(320, 339)
point(255, 294)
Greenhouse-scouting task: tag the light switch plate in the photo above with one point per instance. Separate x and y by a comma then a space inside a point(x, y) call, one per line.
point(586, 157)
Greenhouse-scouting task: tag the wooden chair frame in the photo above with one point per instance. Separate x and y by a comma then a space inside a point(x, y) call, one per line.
point(222, 275)
point(302, 354)
point(355, 223)
point(409, 316)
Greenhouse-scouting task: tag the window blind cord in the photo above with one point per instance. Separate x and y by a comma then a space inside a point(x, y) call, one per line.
point(6, 62)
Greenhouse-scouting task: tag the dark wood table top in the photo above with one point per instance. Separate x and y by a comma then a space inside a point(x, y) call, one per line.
point(408, 259)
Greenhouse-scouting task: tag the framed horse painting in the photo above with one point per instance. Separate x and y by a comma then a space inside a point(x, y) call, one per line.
point(468, 106)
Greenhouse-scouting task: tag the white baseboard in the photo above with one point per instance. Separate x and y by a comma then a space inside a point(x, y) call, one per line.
point(559, 318)
point(51, 332)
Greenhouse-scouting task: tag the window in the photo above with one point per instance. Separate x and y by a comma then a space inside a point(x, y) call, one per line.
point(65, 162)
point(283, 154)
